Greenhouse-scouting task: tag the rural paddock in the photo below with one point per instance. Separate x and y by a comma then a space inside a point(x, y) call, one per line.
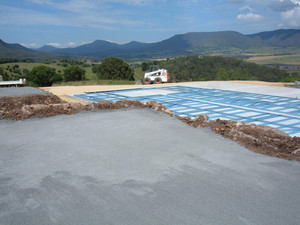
point(138, 166)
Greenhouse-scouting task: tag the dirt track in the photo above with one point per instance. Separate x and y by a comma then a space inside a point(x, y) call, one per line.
point(261, 139)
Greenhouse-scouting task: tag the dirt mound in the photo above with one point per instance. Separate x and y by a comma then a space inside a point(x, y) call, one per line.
point(261, 139)
point(11, 107)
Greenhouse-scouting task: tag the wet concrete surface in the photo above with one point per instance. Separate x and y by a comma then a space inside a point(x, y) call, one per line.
point(20, 91)
point(138, 167)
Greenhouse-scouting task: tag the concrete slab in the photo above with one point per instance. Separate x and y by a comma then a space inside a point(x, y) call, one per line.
point(184, 100)
point(138, 167)
point(20, 91)
point(251, 88)
point(146, 92)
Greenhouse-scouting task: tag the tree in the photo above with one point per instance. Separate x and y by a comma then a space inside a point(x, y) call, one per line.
point(145, 66)
point(115, 69)
point(25, 72)
point(223, 74)
point(42, 76)
point(74, 73)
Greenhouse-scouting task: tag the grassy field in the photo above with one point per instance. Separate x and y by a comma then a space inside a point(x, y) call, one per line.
point(284, 59)
point(138, 73)
point(30, 66)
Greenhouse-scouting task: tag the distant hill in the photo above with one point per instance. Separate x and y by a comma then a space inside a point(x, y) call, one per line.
point(187, 44)
point(99, 48)
point(222, 42)
point(14, 50)
point(279, 38)
point(18, 51)
point(198, 40)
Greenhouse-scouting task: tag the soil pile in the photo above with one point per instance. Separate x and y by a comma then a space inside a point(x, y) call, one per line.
point(12, 108)
point(261, 139)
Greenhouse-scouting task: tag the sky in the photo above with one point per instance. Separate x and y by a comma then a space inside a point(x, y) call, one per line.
point(69, 23)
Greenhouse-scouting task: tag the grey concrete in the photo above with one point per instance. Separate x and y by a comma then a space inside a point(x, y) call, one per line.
point(250, 88)
point(138, 167)
point(20, 91)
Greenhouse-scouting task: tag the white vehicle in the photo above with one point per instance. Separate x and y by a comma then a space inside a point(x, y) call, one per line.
point(13, 83)
point(156, 76)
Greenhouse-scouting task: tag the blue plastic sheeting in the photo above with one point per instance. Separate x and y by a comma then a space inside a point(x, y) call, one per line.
point(282, 113)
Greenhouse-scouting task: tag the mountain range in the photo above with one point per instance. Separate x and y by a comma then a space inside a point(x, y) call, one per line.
point(178, 45)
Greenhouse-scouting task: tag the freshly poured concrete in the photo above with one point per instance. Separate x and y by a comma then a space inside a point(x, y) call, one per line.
point(19, 91)
point(138, 167)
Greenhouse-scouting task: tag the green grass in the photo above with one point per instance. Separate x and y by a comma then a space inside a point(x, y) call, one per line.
point(138, 73)
point(30, 66)
point(284, 59)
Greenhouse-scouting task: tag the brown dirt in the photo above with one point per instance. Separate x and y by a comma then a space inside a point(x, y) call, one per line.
point(261, 139)
point(11, 108)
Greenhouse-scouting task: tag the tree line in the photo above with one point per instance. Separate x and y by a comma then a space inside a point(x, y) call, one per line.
point(189, 68)
point(203, 68)
point(43, 75)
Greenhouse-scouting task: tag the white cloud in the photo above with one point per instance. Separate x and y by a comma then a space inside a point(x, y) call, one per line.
point(10, 15)
point(80, 5)
point(96, 18)
point(246, 8)
point(284, 5)
point(56, 45)
point(292, 17)
point(30, 45)
point(250, 17)
point(66, 45)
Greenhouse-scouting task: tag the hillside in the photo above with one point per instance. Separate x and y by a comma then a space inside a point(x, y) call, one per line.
point(15, 51)
point(226, 42)
point(18, 51)
point(279, 38)
point(222, 42)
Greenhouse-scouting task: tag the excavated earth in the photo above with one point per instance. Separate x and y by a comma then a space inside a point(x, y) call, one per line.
point(261, 139)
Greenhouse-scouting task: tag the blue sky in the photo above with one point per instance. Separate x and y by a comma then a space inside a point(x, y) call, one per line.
point(67, 23)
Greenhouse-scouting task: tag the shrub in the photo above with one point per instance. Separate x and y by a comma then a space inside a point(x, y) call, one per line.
point(115, 69)
point(74, 73)
point(42, 76)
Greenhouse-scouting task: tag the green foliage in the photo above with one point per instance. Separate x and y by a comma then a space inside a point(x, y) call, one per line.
point(4, 74)
point(42, 76)
point(74, 73)
point(145, 66)
point(25, 72)
point(10, 60)
point(196, 68)
point(291, 79)
point(222, 74)
point(115, 69)
point(95, 68)
point(57, 78)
